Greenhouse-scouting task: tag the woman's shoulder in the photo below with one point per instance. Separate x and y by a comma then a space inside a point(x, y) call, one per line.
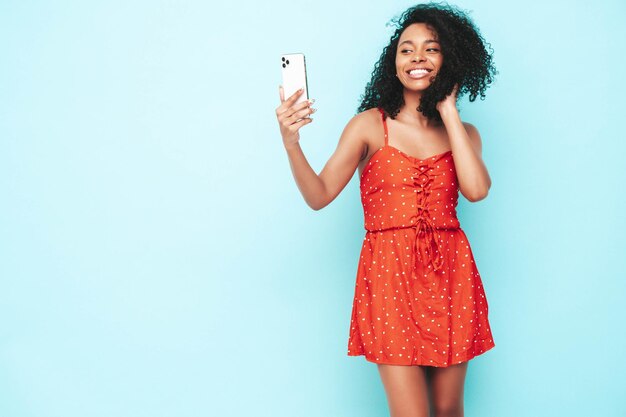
point(468, 125)
point(363, 128)
point(366, 118)
point(369, 114)
point(471, 130)
point(474, 136)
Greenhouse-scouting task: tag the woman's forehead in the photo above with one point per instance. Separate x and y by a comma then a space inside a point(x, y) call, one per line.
point(419, 31)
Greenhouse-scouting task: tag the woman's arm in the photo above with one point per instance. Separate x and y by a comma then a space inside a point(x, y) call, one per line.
point(466, 144)
point(320, 190)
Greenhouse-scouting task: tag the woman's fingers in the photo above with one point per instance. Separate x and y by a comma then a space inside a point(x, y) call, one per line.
point(295, 96)
point(281, 92)
point(289, 112)
point(296, 126)
point(299, 115)
point(285, 104)
point(291, 116)
point(298, 107)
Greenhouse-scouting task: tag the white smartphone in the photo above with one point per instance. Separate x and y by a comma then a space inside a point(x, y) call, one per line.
point(294, 76)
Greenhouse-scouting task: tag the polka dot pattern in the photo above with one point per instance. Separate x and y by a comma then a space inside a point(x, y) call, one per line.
point(419, 298)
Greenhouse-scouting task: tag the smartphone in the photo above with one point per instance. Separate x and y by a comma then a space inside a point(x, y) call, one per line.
point(294, 76)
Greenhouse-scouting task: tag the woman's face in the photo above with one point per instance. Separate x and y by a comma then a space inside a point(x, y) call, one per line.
point(418, 49)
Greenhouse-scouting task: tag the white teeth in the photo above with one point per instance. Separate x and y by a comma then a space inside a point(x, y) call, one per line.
point(418, 74)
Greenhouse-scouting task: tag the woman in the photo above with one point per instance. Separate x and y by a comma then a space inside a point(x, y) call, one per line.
point(419, 309)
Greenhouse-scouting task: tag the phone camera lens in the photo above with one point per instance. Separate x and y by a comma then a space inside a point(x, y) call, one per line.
point(284, 66)
point(287, 62)
point(283, 59)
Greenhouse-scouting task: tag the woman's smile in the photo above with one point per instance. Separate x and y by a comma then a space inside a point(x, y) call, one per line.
point(419, 73)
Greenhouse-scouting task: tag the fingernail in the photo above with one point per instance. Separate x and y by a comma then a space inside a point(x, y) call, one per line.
point(302, 89)
point(313, 111)
point(312, 101)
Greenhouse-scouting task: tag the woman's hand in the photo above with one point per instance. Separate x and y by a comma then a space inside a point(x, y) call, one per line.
point(448, 103)
point(292, 117)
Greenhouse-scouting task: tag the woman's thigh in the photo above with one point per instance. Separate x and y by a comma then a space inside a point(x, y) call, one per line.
point(447, 386)
point(406, 388)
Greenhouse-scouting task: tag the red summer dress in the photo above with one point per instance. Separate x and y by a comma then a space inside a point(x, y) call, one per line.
point(419, 299)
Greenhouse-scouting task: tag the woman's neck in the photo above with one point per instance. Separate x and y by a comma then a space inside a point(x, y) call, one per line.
point(408, 112)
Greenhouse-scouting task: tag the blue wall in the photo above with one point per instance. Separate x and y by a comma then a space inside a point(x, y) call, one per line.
point(157, 258)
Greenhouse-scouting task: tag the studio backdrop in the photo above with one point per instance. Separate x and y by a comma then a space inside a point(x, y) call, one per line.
point(157, 258)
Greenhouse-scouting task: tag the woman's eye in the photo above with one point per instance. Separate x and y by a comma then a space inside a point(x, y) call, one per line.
point(408, 50)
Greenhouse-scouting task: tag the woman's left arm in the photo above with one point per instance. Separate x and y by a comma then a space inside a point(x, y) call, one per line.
point(466, 146)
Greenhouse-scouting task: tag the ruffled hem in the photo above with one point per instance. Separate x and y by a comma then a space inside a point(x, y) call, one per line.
point(478, 348)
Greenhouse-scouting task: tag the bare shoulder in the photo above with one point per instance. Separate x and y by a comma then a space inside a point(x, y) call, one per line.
point(474, 135)
point(366, 119)
point(360, 129)
point(471, 130)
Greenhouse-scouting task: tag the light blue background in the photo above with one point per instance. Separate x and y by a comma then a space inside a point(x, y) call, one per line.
point(157, 258)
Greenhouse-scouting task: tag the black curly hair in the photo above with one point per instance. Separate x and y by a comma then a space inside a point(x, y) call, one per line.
point(466, 62)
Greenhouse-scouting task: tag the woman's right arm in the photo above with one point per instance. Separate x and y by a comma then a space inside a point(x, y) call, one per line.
point(320, 190)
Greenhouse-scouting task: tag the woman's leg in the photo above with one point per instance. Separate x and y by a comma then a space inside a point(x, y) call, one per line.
point(447, 389)
point(406, 389)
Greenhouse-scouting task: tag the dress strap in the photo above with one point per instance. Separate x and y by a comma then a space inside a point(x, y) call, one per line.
point(382, 113)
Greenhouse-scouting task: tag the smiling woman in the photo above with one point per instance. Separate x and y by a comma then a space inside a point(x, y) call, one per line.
point(419, 309)
point(407, 47)
point(467, 63)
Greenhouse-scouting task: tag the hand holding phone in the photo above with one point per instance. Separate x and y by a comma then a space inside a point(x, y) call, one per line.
point(293, 112)
point(293, 68)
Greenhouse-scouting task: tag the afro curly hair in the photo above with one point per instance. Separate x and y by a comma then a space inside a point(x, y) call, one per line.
point(466, 62)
